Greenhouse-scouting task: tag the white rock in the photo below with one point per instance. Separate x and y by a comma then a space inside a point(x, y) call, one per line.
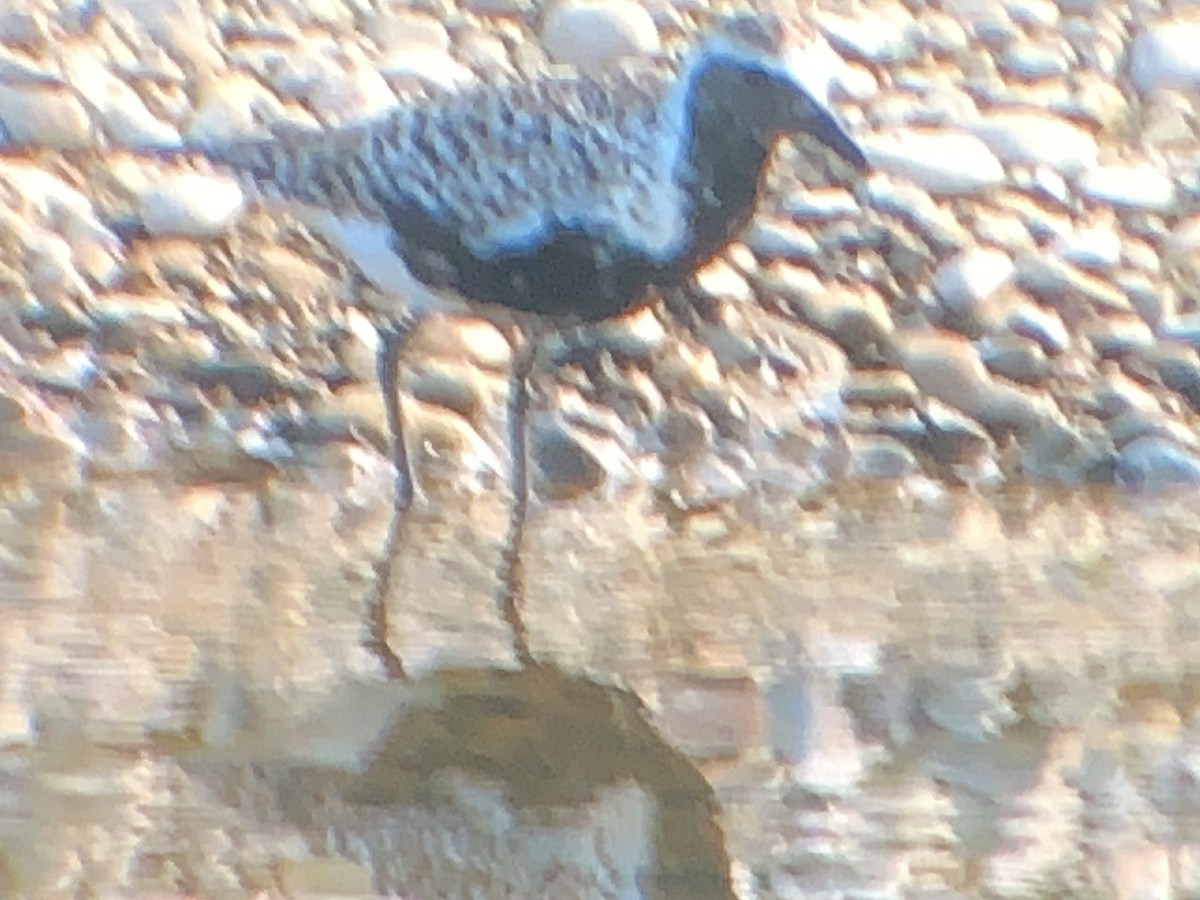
point(1132, 185)
point(118, 107)
point(44, 115)
point(431, 65)
point(941, 162)
point(823, 205)
point(972, 276)
point(775, 238)
point(229, 110)
point(593, 33)
point(888, 36)
point(191, 204)
point(719, 279)
point(1165, 57)
point(1034, 138)
point(1090, 248)
point(408, 30)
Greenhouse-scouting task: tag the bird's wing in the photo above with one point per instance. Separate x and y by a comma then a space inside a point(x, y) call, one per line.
point(505, 166)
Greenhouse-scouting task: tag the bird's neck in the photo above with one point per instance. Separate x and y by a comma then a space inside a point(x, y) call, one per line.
point(722, 169)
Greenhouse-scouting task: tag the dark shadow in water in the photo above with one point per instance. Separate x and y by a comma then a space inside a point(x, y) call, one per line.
point(548, 741)
point(551, 740)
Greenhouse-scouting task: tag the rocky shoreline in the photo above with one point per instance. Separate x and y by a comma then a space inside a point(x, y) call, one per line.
point(1010, 296)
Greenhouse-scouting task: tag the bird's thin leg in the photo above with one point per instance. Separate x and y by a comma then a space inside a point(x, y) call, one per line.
point(376, 642)
point(512, 572)
point(391, 346)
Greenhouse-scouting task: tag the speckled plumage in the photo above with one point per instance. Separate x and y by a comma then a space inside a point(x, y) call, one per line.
point(565, 194)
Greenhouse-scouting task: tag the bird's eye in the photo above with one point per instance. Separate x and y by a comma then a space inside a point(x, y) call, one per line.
point(754, 78)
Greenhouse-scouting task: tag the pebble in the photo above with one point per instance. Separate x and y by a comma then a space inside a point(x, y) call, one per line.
point(1097, 248)
point(822, 205)
point(971, 277)
point(44, 115)
point(460, 388)
point(1065, 288)
point(951, 438)
point(719, 279)
point(1043, 326)
point(947, 367)
point(121, 111)
point(1055, 452)
point(190, 204)
point(1014, 357)
point(1116, 335)
point(229, 110)
point(685, 433)
point(36, 445)
point(879, 457)
point(595, 33)
point(567, 467)
point(887, 37)
point(1034, 138)
point(1153, 463)
point(1164, 57)
point(775, 239)
point(1131, 186)
point(1029, 62)
point(879, 388)
point(942, 162)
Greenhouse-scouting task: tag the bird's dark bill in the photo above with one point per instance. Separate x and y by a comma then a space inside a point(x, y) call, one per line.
point(825, 127)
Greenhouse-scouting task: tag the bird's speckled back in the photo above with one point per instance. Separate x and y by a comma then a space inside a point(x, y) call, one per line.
point(505, 165)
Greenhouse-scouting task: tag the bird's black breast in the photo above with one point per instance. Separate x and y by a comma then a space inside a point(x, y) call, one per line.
point(569, 273)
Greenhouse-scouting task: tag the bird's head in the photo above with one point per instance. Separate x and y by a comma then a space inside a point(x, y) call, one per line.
point(769, 74)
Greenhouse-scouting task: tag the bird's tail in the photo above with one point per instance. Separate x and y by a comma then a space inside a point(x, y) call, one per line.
point(334, 170)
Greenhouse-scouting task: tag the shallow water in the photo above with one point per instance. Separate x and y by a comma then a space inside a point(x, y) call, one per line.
point(937, 694)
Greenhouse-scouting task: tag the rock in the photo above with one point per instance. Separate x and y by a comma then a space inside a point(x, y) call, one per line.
point(1163, 57)
point(685, 434)
point(886, 38)
point(36, 446)
point(880, 388)
point(878, 457)
point(595, 33)
point(952, 439)
point(1063, 287)
point(1035, 138)
point(773, 239)
point(1154, 463)
point(971, 277)
point(1043, 326)
point(192, 204)
point(1130, 186)
point(1057, 452)
point(461, 388)
point(1014, 357)
point(568, 469)
point(44, 115)
point(119, 109)
point(1030, 62)
point(822, 205)
point(1116, 335)
point(941, 162)
point(1097, 249)
point(947, 367)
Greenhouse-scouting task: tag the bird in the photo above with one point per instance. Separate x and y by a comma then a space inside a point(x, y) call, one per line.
point(554, 200)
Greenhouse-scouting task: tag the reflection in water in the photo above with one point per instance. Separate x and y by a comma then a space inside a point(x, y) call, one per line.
point(977, 695)
point(529, 775)
point(547, 741)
